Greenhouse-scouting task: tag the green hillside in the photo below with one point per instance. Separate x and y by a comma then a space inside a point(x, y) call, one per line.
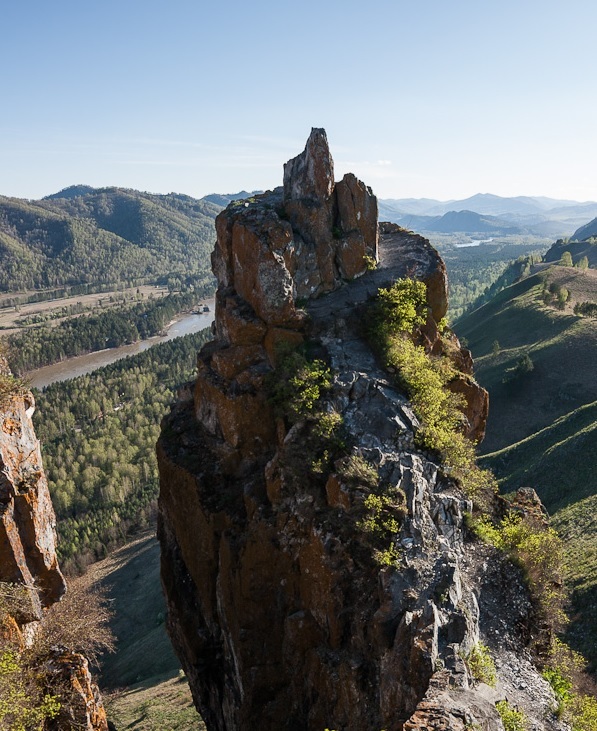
point(561, 346)
point(577, 248)
point(103, 236)
point(538, 361)
point(589, 230)
point(142, 684)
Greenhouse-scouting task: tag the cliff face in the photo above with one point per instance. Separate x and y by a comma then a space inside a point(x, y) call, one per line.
point(27, 521)
point(28, 557)
point(279, 607)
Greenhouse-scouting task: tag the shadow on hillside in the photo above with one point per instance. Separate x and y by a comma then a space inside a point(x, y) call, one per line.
point(143, 649)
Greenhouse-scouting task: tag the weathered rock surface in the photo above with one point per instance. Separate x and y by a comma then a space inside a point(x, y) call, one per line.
point(27, 520)
point(28, 558)
point(82, 706)
point(278, 607)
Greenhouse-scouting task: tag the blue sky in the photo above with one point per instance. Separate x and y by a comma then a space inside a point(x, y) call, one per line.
point(419, 99)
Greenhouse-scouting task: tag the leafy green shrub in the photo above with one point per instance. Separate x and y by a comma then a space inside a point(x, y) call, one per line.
point(537, 549)
point(298, 384)
point(400, 308)
point(296, 389)
point(584, 717)
point(384, 511)
point(29, 695)
point(565, 673)
point(512, 718)
point(398, 311)
point(562, 688)
point(370, 262)
point(481, 665)
point(23, 703)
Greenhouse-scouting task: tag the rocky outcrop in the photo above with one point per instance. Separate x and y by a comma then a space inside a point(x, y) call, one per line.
point(293, 601)
point(81, 703)
point(27, 520)
point(28, 558)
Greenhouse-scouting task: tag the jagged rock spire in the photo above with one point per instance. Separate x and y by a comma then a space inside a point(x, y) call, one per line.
point(310, 175)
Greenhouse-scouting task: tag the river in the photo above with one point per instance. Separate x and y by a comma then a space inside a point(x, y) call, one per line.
point(473, 242)
point(83, 364)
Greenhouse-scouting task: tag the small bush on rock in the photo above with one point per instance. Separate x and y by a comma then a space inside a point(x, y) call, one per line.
point(398, 312)
point(512, 718)
point(481, 665)
point(537, 549)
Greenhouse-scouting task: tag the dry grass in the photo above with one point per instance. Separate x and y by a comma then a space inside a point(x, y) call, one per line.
point(161, 704)
point(80, 622)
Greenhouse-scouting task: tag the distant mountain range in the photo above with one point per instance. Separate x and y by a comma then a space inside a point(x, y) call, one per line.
point(483, 213)
point(106, 235)
point(585, 232)
point(541, 216)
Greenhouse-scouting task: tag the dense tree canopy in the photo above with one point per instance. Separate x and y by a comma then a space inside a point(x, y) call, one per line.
point(98, 436)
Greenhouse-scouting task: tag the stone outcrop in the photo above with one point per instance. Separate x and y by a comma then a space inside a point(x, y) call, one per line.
point(28, 558)
point(27, 520)
point(284, 608)
point(82, 705)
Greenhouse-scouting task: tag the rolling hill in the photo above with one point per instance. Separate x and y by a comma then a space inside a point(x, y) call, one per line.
point(542, 427)
point(103, 236)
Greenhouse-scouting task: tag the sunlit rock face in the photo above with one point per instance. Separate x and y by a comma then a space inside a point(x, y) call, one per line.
point(27, 520)
point(281, 613)
point(28, 558)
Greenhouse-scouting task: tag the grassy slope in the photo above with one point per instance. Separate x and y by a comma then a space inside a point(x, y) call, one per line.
point(144, 687)
point(563, 348)
point(542, 429)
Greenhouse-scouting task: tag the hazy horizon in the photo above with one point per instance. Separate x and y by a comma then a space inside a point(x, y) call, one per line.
point(234, 192)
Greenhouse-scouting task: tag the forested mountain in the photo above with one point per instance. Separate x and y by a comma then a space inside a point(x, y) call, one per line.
point(103, 236)
point(535, 351)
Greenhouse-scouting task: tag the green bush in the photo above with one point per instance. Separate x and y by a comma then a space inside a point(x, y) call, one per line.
point(296, 390)
point(584, 717)
point(537, 550)
point(398, 312)
point(564, 671)
point(297, 385)
point(512, 718)
point(24, 705)
point(481, 665)
point(400, 308)
point(384, 511)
